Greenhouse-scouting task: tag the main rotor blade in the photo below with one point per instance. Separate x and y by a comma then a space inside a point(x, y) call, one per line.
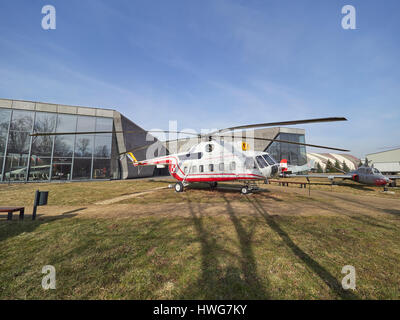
point(292, 142)
point(37, 134)
point(281, 123)
point(148, 145)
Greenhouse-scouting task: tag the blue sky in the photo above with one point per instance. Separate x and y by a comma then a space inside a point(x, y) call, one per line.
point(213, 64)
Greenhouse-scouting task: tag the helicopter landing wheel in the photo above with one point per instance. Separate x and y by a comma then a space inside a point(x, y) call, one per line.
point(245, 190)
point(179, 187)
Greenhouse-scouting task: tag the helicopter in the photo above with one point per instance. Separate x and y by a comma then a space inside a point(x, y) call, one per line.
point(213, 159)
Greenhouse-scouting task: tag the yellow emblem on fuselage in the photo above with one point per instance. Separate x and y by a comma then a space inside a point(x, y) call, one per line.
point(245, 146)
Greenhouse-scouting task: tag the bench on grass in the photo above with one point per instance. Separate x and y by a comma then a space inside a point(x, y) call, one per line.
point(10, 211)
point(286, 183)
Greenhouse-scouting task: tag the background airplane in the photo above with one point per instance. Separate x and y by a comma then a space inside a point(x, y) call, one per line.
point(364, 175)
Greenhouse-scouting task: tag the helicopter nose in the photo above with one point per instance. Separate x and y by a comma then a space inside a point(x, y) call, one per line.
point(381, 182)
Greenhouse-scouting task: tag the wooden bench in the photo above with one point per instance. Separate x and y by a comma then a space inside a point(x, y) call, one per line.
point(286, 183)
point(10, 211)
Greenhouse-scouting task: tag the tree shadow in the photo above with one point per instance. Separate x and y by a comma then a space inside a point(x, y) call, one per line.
point(217, 281)
point(247, 259)
point(324, 274)
point(394, 212)
point(10, 229)
point(355, 186)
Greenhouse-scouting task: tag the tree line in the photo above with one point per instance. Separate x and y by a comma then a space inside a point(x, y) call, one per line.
point(333, 167)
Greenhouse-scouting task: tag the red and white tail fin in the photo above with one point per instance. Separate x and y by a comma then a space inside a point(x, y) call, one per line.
point(283, 164)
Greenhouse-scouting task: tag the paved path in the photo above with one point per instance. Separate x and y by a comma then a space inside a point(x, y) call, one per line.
point(128, 196)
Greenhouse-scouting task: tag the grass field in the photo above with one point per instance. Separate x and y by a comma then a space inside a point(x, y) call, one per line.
point(201, 244)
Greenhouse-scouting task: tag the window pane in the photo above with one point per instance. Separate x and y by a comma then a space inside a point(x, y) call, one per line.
point(4, 119)
point(64, 146)
point(82, 169)
point(1, 167)
point(39, 169)
point(61, 170)
point(86, 123)
point(84, 146)
point(221, 167)
point(45, 122)
point(102, 146)
point(104, 124)
point(101, 169)
point(201, 168)
point(3, 139)
point(211, 167)
point(22, 120)
point(18, 142)
point(42, 145)
point(16, 167)
point(66, 123)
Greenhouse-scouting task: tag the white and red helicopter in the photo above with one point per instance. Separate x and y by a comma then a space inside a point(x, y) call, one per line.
point(216, 160)
point(213, 159)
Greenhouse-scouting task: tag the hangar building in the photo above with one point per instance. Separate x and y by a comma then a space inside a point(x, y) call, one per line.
point(75, 157)
point(388, 162)
point(66, 157)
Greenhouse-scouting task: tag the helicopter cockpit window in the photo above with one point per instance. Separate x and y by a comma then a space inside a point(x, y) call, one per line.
point(269, 160)
point(249, 163)
point(261, 162)
point(209, 147)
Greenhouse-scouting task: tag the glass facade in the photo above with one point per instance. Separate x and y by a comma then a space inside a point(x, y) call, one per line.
point(54, 158)
point(295, 154)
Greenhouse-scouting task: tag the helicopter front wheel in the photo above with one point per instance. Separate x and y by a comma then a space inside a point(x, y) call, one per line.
point(244, 190)
point(179, 187)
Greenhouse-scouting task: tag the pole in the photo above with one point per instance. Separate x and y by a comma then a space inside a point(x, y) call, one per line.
point(35, 204)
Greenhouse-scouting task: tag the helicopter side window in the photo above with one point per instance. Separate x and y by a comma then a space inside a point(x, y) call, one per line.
point(221, 167)
point(193, 169)
point(201, 168)
point(261, 162)
point(185, 169)
point(232, 166)
point(249, 163)
point(211, 167)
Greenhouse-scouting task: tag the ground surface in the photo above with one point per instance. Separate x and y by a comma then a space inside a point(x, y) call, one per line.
point(143, 241)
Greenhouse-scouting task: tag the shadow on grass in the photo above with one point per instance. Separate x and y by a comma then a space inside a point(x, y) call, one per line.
point(324, 274)
point(10, 229)
point(218, 281)
point(394, 212)
point(247, 260)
